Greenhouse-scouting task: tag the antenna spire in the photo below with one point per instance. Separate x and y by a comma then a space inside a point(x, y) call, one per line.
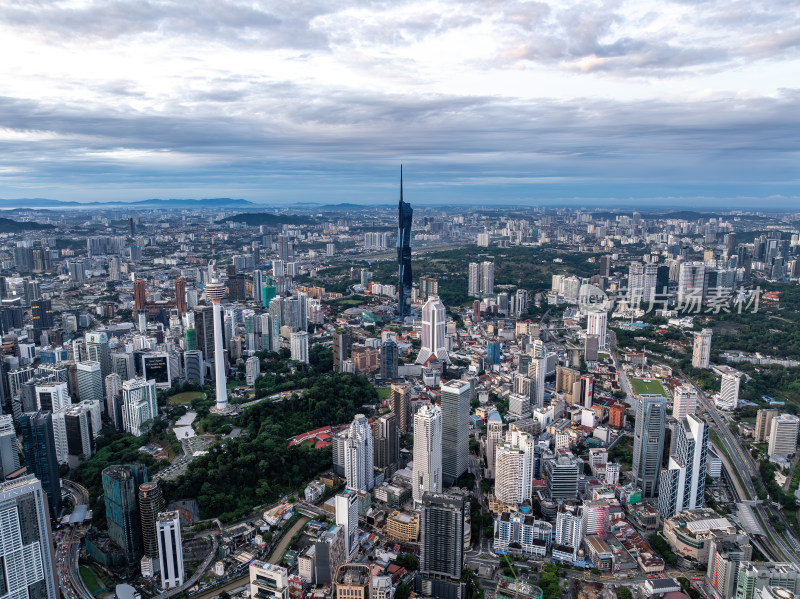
point(401, 183)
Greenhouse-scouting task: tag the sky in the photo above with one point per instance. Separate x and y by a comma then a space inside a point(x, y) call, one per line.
point(664, 103)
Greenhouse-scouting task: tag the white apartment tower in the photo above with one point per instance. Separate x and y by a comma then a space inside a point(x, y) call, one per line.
point(783, 435)
point(433, 332)
point(685, 401)
point(139, 404)
point(596, 324)
point(299, 346)
point(514, 468)
point(359, 455)
point(729, 391)
point(170, 549)
point(701, 351)
point(427, 477)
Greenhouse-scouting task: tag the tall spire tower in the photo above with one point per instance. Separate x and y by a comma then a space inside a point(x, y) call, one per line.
point(404, 276)
point(215, 291)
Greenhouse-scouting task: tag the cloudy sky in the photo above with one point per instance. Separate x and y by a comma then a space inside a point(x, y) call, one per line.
point(484, 101)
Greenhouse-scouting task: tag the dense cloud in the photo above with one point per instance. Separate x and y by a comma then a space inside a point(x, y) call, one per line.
point(318, 100)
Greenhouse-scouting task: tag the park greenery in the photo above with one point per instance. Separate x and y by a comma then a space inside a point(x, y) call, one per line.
point(259, 466)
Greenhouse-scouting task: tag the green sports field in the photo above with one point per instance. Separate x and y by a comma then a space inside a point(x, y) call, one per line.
point(643, 387)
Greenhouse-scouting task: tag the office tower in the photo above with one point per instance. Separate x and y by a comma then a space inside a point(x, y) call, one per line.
point(428, 286)
point(729, 391)
point(26, 551)
point(252, 370)
point(764, 423)
point(537, 371)
point(433, 332)
point(193, 366)
point(156, 367)
point(299, 346)
point(605, 265)
point(389, 355)
point(97, 351)
point(139, 295)
point(493, 352)
point(685, 401)
point(170, 549)
point(9, 451)
point(691, 285)
point(38, 444)
point(74, 432)
point(682, 485)
point(352, 581)
point(120, 487)
point(562, 474)
point(346, 504)
point(494, 436)
point(190, 339)
point(77, 271)
point(427, 475)
point(474, 286)
point(724, 559)
point(783, 435)
point(583, 392)
point(204, 330)
point(514, 468)
point(635, 283)
point(52, 397)
point(648, 442)
point(400, 404)
point(151, 503)
point(341, 349)
point(387, 443)
point(569, 529)
point(487, 278)
point(123, 365)
point(139, 404)
point(441, 549)
point(113, 385)
point(215, 291)
point(359, 455)
point(90, 381)
point(180, 296)
point(591, 348)
point(596, 324)
point(701, 351)
point(404, 277)
point(754, 576)
point(455, 397)
point(42, 314)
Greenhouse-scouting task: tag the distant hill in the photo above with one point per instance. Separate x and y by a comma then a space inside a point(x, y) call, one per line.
point(151, 203)
point(14, 226)
point(256, 219)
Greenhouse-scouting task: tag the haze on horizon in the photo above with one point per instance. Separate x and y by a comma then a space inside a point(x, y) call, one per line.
point(507, 101)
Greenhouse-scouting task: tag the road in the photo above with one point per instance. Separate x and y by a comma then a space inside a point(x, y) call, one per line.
point(68, 551)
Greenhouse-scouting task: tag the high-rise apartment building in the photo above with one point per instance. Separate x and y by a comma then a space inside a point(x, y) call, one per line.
point(359, 455)
point(597, 324)
point(456, 396)
point(684, 401)
point(764, 418)
point(341, 349)
point(691, 285)
point(569, 529)
point(26, 550)
point(387, 443)
point(701, 350)
point(346, 506)
point(427, 473)
point(648, 442)
point(139, 404)
point(441, 536)
point(783, 435)
point(433, 332)
point(682, 485)
point(9, 453)
point(388, 360)
point(400, 404)
point(120, 489)
point(170, 549)
point(724, 559)
point(97, 350)
point(38, 444)
point(729, 391)
point(494, 436)
point(514, 468)
point(151, 503)
point(299, 346)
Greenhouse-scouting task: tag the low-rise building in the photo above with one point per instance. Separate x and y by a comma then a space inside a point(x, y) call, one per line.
point(689, 533)
point(402, 527)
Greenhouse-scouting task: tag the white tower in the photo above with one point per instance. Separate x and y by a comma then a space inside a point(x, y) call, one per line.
point(170, 549)
point(596, 325)
point(359, 457)
point(427, 475)
point(215, 292)
point(433, 332)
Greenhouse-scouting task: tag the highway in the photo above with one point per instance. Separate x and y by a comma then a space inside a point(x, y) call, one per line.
point(67, 555)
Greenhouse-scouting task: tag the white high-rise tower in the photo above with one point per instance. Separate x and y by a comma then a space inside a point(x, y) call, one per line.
point(427, 475)
point(433, 332)
point(215, 291)
point(359, 455)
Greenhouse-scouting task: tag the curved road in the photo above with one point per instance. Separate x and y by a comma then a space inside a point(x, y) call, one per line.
point(70, 580)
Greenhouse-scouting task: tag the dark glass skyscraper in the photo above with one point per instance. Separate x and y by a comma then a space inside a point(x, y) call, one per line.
point(120, 486)
point(38, 442)
point(404, 277)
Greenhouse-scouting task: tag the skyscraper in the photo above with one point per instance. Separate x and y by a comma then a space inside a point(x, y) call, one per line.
point(763, 423)
point(341, 349)
point(387, 443)
point(170, 549)
point(346, 504)
point(42, 314)
point(120, 488)
point(691, 285)
point(90, 381)
point(139, 404)
point(514, 468)
point(685, 401)
point(682, 485)
point(783, 435)
point(701, 350)
point(97, 351)
point(433, 332)
point(474, 280)
point(404, 276)
point(724, 559)
point(26, 551)
point(648, 442)
point(359, 455)
point(729, 391)
point(388, 368)
point(139, 295)
point(456, 396)
point(204, 330)
point(427, 476)
point(299, 346)
point(151, 503)
point(215, 291)
point(9, 454)
point(441, 536)
point(596, 324)
point(38, 444)
point(400, 404)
